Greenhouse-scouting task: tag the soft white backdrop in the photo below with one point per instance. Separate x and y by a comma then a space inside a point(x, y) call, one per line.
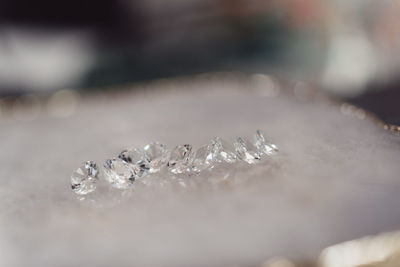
point(335, 179)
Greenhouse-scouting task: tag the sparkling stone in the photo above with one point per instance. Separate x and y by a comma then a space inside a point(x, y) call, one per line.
point(180, 159)
point(222, 150)
point(118, 173)
point(137, 160)
point(157, 154)
point(203, 158)
point(246, 151)
point(263, 146)
point(83, 180)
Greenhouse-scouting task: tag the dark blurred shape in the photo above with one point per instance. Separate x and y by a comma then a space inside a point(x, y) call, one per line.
point(142, 40)
point(381, 99)
point(341, 46)
point(110, 19)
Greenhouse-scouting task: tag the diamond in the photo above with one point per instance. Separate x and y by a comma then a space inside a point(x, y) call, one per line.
point(263, 146)
point(180, 159)
point(157, 154)
point(118, 173)
point(246, 151)
point(222, 150)
point(203, 158)
point(137, 160)
point(83, 180)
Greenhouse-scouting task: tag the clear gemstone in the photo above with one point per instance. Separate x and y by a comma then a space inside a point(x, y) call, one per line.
point(137, 160)
point(83, 180)
point(180, 159)
point(203, 158)
point(157, 154)
point(246, 151)
point(118, 173)
point(263, 146)
point(222, 150)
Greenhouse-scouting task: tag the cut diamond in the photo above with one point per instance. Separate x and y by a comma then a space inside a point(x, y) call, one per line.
point(137, 160)
point(118, 173)
point(83, 180)
point(203, 158)
point(180, 159)
point(157, 154)
point(222, 150)
point(263, 146)
point(246, 151)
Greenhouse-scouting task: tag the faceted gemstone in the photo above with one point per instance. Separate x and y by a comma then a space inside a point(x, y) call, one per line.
point(246, 151)
point(83, 180)
point(137, 160)
point(222, 150)
point(180, 159)
point(118, 173)
point(203, 158)
point(157, 154)
point(263, 146)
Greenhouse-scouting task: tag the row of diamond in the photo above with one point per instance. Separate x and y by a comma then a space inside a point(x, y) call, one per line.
point(132, 164)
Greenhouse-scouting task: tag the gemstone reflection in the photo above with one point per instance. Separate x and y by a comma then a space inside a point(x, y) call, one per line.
point(157, 155)
point(246, 151)
point(180, 159)
point(263, 146)
point(84, 179)
point(118, 173)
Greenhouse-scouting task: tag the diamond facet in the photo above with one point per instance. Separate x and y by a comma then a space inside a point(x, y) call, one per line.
point(118, 173)
point(222, 150)
point(246, 151)
point(137, 160)
point(263, 146)
point(83, 180)
point(203, 158)
point(180, 159)
point(157, 154)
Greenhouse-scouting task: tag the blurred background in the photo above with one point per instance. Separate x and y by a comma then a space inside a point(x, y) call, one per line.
point(347, 48)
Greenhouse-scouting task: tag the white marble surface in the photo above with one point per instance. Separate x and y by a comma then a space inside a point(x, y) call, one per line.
point(336, 179)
